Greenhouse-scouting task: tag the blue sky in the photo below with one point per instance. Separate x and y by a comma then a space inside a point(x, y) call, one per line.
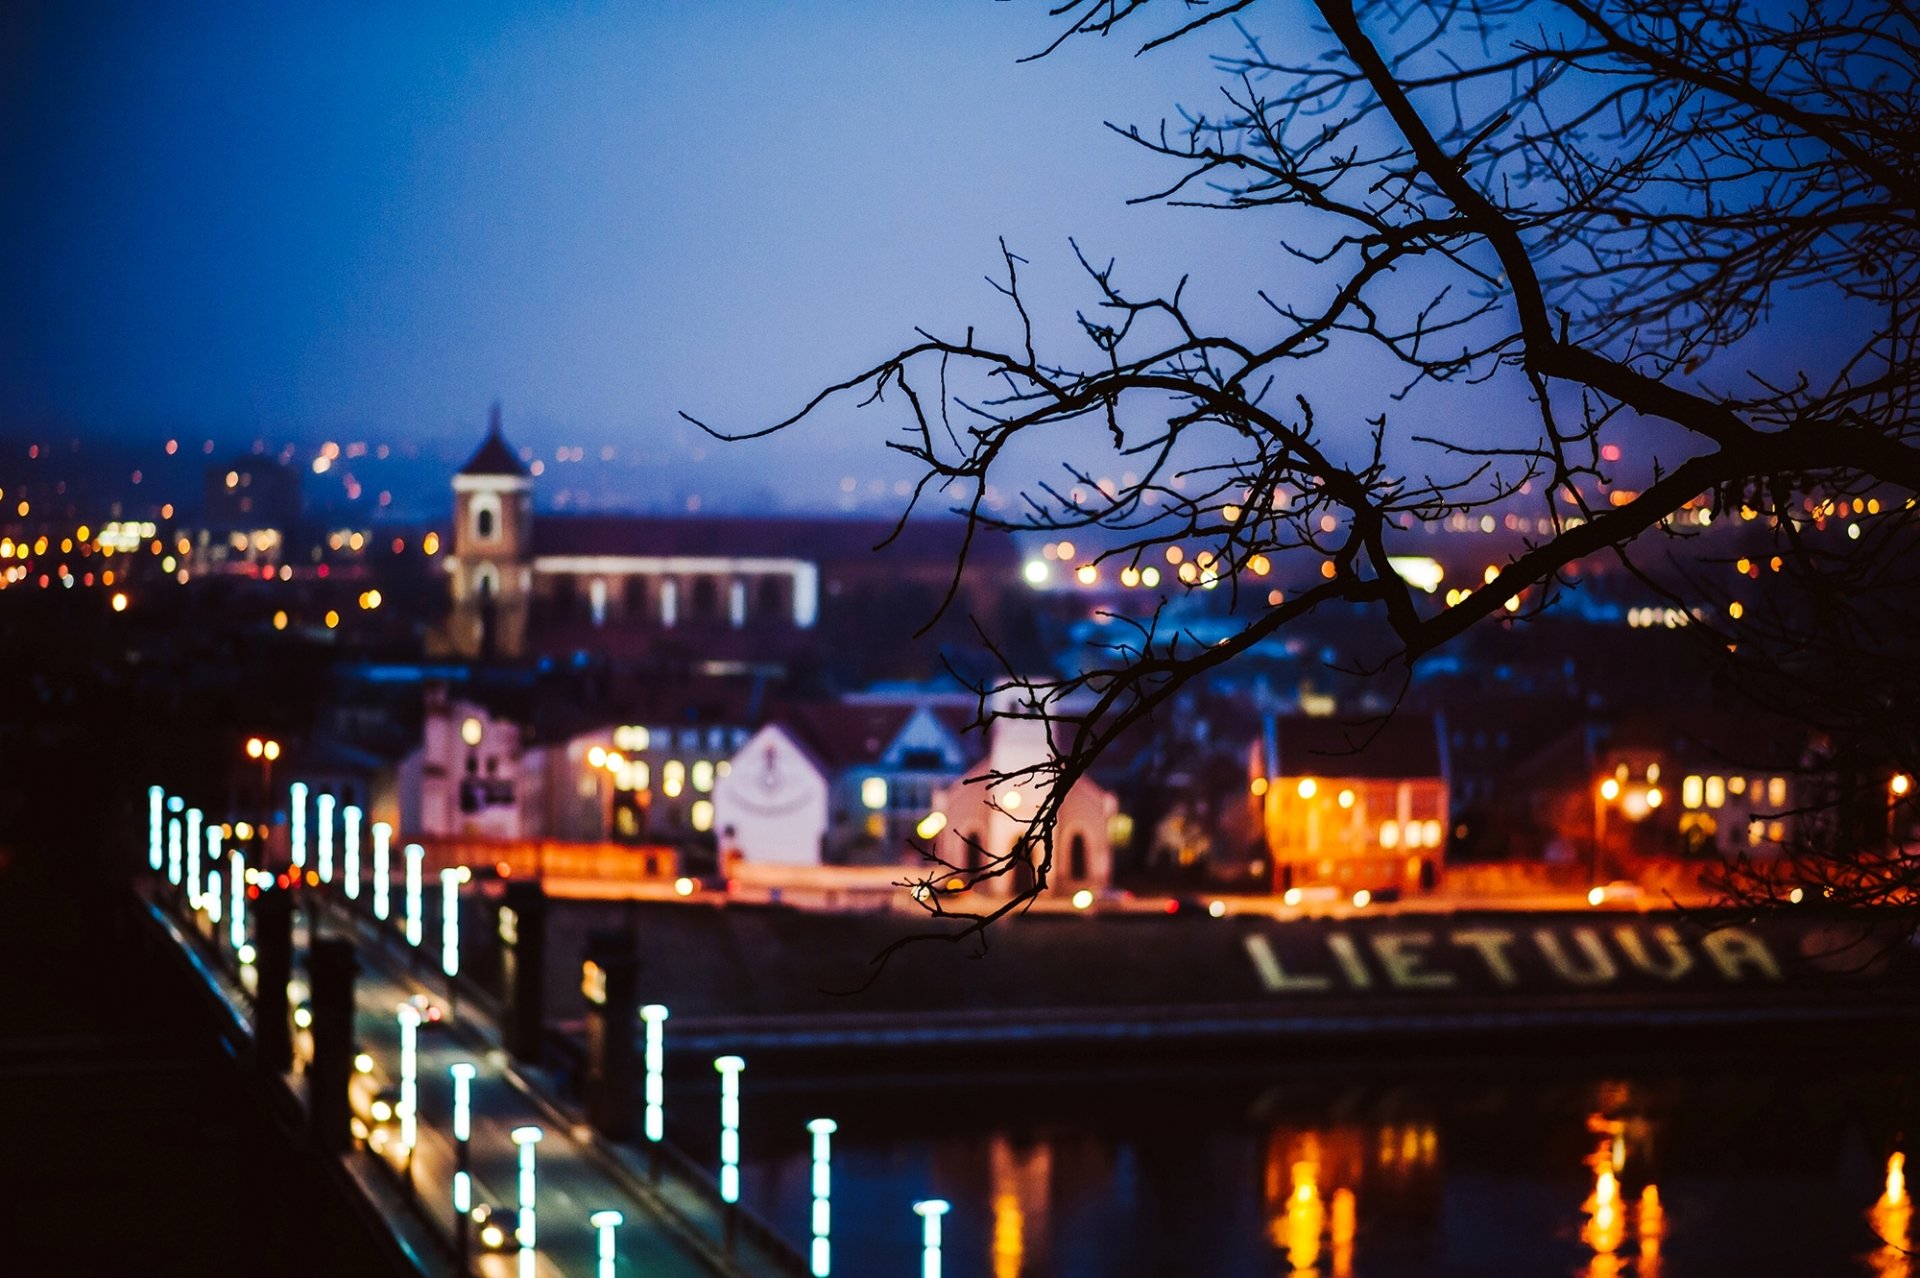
point(318, 221)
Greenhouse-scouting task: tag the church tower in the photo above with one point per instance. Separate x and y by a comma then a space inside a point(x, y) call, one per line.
point(492, 561)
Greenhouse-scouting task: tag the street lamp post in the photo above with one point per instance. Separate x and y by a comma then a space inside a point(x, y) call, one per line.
point(297, 824)
point(350, 849)
point(323, 812)
point(156, 827)
point(822, 1252)
point(192, 865)
point(416, 930)
point(605, 1222)
point(382, 871)
point(237, 901)
point(526, 1138)
point(930, 1211)
point(729, 1068)
point(654, 1016)
point(409, 1082)
point(264, 750)
point(463, 1072)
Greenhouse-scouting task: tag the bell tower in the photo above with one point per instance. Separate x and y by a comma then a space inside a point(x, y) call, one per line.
point(492, 560)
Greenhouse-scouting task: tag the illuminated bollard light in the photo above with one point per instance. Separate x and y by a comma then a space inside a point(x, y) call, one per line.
point(323, 842)
point(156, 827)
point(174, 859)
point(605, 1222)
point(297, 824)
point(237, 900)
point(526, 1138)
point(210, 895)
point(463, 1072)
point(822, 1253)
point(416, 931)
point(409, 1077)
point(382, 871)
point(930, 1211)
point(654, 1015)
point(729, 1067)
point(450, 881)
point(350, 849)
point(193, 858)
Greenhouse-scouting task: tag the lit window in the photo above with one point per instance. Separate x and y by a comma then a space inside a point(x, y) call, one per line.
point(471, 731)
point(1432, 832)
point(1736, 785)
point(703, 776)
point(1690, 790)
point(1716, 792)
point(1390, 834)
point(673, 778)
point(1776, 831)
point(1346, 798)
point(702, 815)
point(1308, 787)
point(873, 793)
point(1777, 792)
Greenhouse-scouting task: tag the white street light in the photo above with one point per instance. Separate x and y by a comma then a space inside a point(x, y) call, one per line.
point(324, 844)
point(237, 907)
point(415, 856)
point(606, 1222)
point(729, 1067)
point(526, 1138)
point(823, 1130)
point(350, 844)
point(173, 851)
point(193, 858)
point(210, 898)
point(382, 870)
point(450, 922)
point(297, 823)
point(409, 1077)
point(655, 1016)
point(930, 1211)
point(463, 1072)
point(156, 822)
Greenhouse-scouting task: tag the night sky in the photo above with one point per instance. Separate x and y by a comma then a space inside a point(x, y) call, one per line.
point(310, 222)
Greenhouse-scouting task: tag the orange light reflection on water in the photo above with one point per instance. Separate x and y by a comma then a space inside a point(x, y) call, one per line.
point(1892, 1220)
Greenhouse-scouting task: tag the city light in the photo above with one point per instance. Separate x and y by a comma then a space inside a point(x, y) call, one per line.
point(382, 870)
point(605, 1222)
point(297, 824)
point(156, 819)
point(350, 849)
point(1082, 899)
point(930, 1210)
point(416, 931)
point(1610, 789)
point(323, 840)
point(654, 1015)
point(409, 1076)
point(210, 897)
point(1900, 784)
point(729, 1067)
point(237, 900)
point(193, 858)
point(526, 1138)
point(821, 1251)
point(463, 1073)
point(450, 922)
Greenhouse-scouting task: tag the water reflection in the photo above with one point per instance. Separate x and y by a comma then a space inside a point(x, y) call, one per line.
point(1019, 1179)
point(1892, 1220)
point(1402, 1176)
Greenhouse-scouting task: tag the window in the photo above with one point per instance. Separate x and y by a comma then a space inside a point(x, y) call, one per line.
point(1077, 857)
point(486, 517)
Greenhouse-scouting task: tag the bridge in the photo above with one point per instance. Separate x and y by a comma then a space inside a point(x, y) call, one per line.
point(343, 1073)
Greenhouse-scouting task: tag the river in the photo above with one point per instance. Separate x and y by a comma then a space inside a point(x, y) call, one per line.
point(1674, 1168)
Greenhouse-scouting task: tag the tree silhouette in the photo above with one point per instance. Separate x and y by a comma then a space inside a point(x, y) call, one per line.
point(1686, 224)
